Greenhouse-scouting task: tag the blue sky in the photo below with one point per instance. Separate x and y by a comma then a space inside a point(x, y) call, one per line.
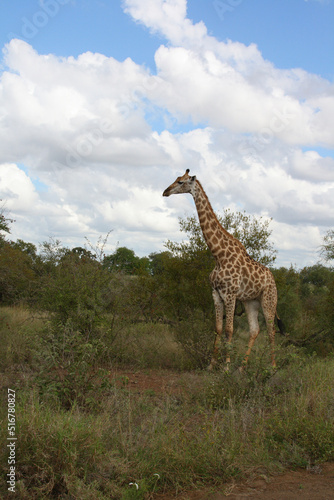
point(242, 90)
point(290, 33)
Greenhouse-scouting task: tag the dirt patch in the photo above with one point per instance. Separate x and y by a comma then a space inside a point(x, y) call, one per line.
point(155, 381)
point(314, 484)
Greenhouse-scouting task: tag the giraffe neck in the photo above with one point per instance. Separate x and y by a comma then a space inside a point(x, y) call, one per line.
point(216, 237)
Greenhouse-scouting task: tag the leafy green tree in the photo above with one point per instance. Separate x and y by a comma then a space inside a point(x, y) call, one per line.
point(125, 260)
point(83, 253)
point(27, 248)
point(289, 303)
point(76, 290)
point(157, 262)
point(52, 253)
point(316, 276)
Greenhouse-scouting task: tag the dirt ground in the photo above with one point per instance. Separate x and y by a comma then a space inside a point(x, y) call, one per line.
point(314, 484)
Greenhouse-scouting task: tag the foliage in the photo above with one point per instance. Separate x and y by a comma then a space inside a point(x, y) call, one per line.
point(327, 249)
point(77, 290)
point(4, 224)
point(16, 265)
point(305, 305)
point(82, 299)
point(16, 273)
point(125, 260)
point(71, 371)
point(157, 262)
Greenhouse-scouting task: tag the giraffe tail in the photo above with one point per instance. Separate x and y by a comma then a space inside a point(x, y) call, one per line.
point(280, 325)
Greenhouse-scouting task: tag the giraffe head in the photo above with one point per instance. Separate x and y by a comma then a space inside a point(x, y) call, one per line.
point(184, 184)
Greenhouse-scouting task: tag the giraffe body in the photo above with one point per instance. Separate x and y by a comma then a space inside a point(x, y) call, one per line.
point(235, 276)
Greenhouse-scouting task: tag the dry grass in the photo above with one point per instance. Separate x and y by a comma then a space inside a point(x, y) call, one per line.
point(149, 345)
point(19, 334)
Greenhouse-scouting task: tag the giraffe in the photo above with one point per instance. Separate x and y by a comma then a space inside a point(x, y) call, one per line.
point(235, 276)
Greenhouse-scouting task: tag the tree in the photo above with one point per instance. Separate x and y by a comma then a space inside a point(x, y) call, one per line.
point(327, 249)
point(17, 274)
point(27, 248)
point(4, 224)
point(126, 261)
point(157, 262)
point(76, 290)
point(317, 276)
point(83, 253)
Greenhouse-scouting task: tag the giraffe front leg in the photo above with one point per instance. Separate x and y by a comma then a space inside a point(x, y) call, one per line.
point(219, 307)
point(230, 306)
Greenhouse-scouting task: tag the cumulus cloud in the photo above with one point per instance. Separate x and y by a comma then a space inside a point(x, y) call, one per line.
point(94, 131)
point(167, 17)
point(228, 84)
point(16, 188)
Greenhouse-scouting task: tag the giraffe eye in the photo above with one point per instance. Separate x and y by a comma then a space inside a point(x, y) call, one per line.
point(180, 182)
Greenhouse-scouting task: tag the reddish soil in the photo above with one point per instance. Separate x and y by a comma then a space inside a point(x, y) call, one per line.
point(314, 484)
point(154, 381)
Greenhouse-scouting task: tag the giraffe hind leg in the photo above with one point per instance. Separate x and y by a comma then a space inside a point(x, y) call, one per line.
point(252, 310)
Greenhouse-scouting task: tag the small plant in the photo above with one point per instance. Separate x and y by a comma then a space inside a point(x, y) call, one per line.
point(195, 336)
point(70, 373)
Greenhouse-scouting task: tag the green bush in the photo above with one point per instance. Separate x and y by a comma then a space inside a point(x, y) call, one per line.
point(71, 368)
point(78, 290)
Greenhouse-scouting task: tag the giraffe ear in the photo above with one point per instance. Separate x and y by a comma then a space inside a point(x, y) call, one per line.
point(193, 178)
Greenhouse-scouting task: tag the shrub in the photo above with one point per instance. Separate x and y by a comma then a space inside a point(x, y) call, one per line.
point(78, 290)
point(71, 372)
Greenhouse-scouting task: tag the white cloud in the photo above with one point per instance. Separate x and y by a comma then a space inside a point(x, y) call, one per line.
point(167, 17)
point(298, 244)
point(310, 165)
point(16, 188)
point(82, 126)
point(227, 84)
